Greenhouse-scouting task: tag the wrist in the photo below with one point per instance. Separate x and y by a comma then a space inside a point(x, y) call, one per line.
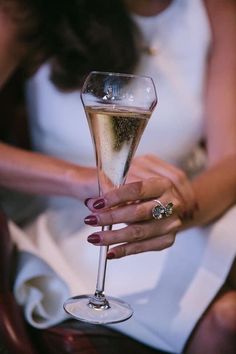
point(80, 182)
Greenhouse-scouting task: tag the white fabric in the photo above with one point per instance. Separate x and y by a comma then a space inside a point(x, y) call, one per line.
point(168, 290)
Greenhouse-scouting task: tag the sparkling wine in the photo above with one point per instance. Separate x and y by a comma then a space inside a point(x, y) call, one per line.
point(118, 107)
point(116, 135)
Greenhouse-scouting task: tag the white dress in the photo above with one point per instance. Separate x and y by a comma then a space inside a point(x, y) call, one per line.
point(168, 290)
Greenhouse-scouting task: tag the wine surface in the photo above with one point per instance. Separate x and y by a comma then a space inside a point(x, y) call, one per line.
point(116, 134)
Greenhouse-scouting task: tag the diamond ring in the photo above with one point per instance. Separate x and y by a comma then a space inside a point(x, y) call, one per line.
point(160, 211)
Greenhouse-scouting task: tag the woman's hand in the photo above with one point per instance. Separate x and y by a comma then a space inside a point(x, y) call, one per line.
point(133, 204)
point(147, 166)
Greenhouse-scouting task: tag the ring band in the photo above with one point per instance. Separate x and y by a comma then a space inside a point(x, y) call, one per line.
point(160, 211)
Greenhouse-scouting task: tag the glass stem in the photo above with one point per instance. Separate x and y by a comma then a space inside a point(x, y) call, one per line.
point(102, 266)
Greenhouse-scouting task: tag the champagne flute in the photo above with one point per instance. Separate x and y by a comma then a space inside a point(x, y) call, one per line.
point(118, 107)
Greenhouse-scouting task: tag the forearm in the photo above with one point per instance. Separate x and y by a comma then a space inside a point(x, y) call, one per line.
point(215, 191)
point(40, 174)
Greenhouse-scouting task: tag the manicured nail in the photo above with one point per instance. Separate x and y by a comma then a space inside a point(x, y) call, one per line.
point(86, 201)
point(94, 238)
point(91, 220)
point(110, 255)
point(99, 204)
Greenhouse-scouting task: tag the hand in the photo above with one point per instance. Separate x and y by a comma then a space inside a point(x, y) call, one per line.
point(150, 166)
point(133, 204)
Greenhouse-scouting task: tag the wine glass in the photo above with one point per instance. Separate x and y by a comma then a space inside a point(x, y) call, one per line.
point(118, 107)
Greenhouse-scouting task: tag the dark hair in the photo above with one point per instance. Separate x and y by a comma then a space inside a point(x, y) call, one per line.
point(92, 35)
point(78, 35)
point(31, 22)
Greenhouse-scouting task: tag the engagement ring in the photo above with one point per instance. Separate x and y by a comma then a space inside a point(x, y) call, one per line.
point(160, 211)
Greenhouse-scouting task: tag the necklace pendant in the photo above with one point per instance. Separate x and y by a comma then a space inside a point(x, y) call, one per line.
point(150, 50)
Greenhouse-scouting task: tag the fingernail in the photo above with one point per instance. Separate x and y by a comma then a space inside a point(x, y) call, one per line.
point(110, 255)
point(94, 238)
point(86, 201)
point(99, 204)
point(91, 220)
point(196, 205)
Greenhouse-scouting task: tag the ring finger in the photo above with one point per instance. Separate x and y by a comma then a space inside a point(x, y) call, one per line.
point(131, 213)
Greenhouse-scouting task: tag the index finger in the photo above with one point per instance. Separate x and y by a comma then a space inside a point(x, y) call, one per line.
point(142, 190)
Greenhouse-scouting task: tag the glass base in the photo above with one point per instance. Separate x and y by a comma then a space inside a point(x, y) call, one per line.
point(89, 308)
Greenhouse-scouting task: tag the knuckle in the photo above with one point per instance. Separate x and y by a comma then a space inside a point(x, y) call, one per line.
point(137, 249)
point(106, 218)
point(175, 225)
point(115, 194)
point(167, 182)
point(134, 189)
point(122, 251)
point(152, 180)
point(138, 189)
point(140, 212)
point(136, 232)
point(169, 240)
point(176, 198)
point(180, 177)
point(178, 224)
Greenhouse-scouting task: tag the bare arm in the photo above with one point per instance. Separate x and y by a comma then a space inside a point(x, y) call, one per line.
point(33, 172)
point(39, 174)
point(215, 188)
point(221, 83)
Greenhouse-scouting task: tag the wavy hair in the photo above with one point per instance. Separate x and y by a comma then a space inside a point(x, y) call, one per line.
point(92, 35)
point(77, 35)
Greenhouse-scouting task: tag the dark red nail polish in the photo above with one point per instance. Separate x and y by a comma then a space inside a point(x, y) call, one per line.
point(99, 204)
point(94, 238)
point(86, 201)
point(110, 255)
point(91, 220)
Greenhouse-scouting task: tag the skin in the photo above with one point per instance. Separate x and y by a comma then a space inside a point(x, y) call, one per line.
point(196, 202)
point(33, 172)
point(28, 171)
point(214, 189)
point(40, 174)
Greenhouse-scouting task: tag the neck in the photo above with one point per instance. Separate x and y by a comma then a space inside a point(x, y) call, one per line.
point(147, 7)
